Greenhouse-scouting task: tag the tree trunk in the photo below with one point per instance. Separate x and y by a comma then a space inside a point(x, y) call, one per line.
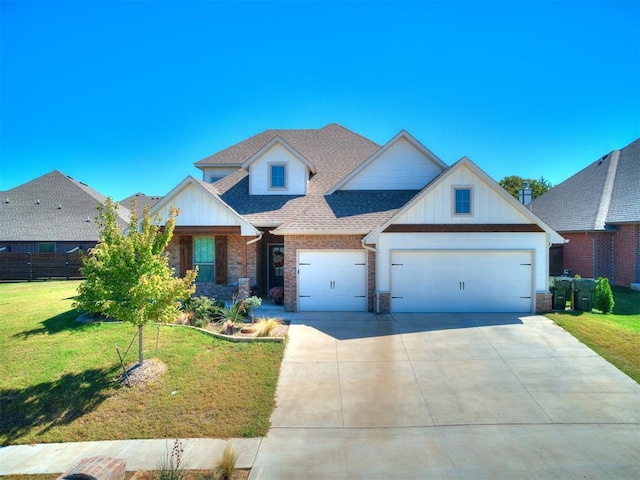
point(140, 358)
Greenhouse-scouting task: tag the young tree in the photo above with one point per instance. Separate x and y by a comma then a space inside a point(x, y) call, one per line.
point(603, 296)
point(128, 275)
point(513, 184)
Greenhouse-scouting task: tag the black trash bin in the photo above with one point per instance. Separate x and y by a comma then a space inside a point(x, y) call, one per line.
point(561, 292)
point(583, 292)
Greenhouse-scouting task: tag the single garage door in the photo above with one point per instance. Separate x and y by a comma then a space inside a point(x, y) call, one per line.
point(332, 280)
point(461, 281)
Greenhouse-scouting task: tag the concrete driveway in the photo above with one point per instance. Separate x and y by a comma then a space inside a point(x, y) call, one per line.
point(415, 396)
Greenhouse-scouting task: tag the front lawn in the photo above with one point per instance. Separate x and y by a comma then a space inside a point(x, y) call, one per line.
point(615, 336)
point(58, 381)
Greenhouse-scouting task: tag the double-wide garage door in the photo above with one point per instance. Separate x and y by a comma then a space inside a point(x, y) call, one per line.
point(332, 280)
point(461, 281)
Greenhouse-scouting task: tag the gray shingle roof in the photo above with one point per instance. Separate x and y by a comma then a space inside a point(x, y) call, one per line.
point(142, 201)
point(335, 152)
point(53, 207)
point(625, 198)
point(604, 193)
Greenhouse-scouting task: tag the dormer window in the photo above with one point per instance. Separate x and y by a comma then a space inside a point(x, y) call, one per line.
point(278, 176)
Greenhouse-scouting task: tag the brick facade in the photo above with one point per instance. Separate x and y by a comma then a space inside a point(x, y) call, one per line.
point(241, 263)
point(627, 249)
point(321, 242)
point(578, 254)
point(613, 254)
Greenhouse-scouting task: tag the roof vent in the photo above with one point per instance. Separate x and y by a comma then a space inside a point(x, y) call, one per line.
point(88, 220)
point(38, 202)
point(60, 207)
point(6, 201)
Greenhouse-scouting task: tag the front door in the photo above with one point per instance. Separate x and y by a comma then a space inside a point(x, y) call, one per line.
point(275, 266)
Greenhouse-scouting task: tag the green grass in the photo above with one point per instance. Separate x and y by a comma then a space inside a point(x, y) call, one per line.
point(58, 381)
point(615, 336)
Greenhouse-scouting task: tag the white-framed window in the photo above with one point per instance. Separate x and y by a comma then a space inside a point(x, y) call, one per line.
point(47, 247)
point(204, 257)
point(462, 200)
point(278, 176)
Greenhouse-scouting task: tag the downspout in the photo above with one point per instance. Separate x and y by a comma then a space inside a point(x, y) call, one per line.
point(257, 239)
point(374, 250)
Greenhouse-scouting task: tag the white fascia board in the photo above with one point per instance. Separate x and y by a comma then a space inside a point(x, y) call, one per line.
point(246, 228)
point(278, 231)
point(202, 166)
point(284, 144)
point(402, 134)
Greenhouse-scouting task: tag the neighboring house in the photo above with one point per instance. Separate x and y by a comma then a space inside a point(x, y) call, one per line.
point(345, 224)
point(141, 201)
point(53, 214)
point(598, 211)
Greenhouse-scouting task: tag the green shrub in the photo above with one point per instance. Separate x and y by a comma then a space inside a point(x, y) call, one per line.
point(236, 313)
point(603, 296)
point(202, 310)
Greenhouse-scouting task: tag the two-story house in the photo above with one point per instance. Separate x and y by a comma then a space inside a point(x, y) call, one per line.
point(345, 224)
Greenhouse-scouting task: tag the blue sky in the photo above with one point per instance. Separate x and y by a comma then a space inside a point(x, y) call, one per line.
point(127, 95)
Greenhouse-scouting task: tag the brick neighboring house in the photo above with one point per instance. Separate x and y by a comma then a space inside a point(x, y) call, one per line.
point(598, 211)
point(49, 216)
point(345, 224)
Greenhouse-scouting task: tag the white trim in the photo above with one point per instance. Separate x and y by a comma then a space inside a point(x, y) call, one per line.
point(285, 165)
point(454, 202)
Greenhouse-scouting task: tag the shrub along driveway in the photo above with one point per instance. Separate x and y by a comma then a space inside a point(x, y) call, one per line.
point(447, 396)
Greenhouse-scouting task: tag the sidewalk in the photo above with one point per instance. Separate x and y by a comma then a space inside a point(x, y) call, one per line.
point(199, 453)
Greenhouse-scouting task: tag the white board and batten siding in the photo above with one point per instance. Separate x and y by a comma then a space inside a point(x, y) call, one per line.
point(296, 171)
point(199, 207)
point(401, 167)
point(436, 207)
point(332, 280)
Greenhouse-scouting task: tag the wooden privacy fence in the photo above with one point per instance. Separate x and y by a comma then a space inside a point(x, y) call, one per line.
point(16, 266)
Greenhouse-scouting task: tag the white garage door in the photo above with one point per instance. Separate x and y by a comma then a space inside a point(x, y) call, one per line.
point(332, 280)
point(461, 281)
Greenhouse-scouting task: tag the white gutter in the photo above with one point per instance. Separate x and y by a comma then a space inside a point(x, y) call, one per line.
point(257, 239)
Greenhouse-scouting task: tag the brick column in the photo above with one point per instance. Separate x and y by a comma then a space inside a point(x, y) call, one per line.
point(384, 302)
point(543, 302)
point(244, 289)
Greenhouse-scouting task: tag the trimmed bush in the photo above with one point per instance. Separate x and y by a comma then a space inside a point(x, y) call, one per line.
point(603, 296)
